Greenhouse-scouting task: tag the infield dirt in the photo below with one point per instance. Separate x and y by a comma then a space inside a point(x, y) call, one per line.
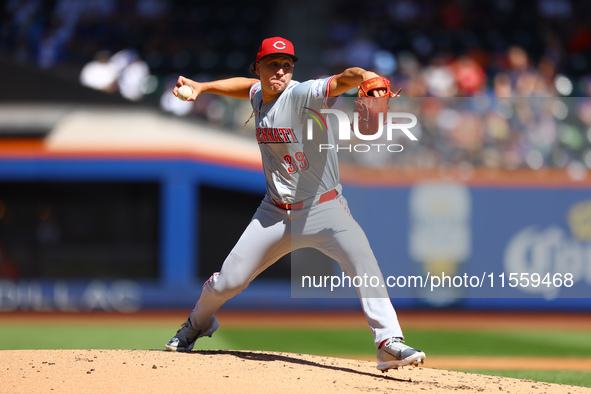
point(228, 371)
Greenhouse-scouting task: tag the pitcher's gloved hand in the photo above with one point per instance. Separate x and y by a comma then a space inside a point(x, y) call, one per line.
point(372, 99)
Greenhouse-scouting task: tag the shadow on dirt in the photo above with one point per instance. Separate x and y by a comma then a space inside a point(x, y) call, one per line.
point(267, 357)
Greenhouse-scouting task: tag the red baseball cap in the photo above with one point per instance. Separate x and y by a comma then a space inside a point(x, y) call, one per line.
point(276, 45)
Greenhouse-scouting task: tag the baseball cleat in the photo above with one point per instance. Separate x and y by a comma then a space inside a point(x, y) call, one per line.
point(393, 353)
point(185, 337)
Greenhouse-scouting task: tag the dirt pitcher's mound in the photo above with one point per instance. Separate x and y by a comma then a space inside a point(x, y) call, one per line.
point(228, 371)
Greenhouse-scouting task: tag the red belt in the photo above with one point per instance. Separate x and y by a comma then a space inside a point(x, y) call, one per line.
point(331, 195)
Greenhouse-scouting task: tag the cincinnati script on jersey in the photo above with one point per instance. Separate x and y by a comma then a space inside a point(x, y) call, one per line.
point(266, 135)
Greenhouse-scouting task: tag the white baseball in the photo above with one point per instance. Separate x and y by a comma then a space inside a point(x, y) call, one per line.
point(184, 92)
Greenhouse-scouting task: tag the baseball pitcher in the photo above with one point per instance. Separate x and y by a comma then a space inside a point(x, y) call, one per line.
point(304, 205)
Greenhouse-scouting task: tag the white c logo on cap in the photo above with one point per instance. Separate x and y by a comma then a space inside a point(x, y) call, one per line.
point(279, 45)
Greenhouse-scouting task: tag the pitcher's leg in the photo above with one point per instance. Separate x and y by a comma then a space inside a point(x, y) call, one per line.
point(375, 302)
point(265, 240)
point(351, 248)
point(348, 245)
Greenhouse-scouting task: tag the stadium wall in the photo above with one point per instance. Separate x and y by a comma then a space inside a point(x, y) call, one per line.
point(477, 230)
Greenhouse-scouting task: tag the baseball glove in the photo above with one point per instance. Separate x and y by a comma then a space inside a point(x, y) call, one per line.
point(369, 107)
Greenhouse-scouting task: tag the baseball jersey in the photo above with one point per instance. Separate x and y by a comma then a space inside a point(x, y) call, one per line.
point(295, 167)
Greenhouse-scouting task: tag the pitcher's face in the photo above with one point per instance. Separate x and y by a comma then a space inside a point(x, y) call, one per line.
point(275, 72)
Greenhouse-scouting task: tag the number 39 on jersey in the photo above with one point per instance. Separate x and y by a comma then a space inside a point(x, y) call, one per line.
point(295, 162)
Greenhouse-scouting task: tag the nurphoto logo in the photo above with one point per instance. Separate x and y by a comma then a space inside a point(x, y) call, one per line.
point(386, 124)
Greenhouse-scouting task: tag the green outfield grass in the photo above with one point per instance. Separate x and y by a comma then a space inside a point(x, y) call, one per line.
point(576, 378)
point(350, 342)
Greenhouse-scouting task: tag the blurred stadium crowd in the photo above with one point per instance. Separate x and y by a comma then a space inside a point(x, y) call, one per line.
point(431, 49)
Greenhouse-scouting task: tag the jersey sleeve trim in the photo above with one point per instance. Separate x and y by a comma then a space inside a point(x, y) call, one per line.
point(327, 99)
point(254, 89)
